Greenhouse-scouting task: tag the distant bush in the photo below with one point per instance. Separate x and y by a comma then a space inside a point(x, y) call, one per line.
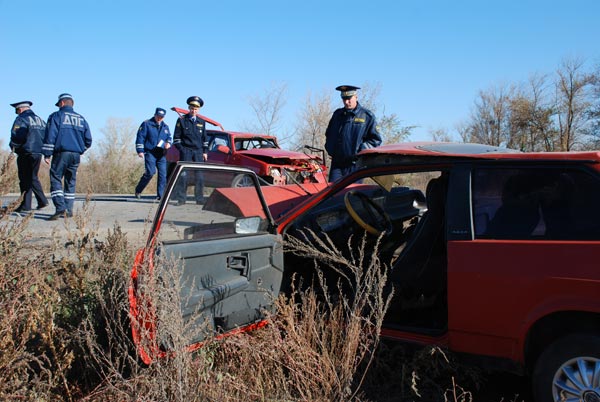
point(112, 165)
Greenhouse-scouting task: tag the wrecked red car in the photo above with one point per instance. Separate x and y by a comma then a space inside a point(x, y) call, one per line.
point(492, 253)
point(259, 153)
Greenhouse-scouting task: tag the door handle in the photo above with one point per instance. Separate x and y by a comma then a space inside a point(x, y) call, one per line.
point(239, 263)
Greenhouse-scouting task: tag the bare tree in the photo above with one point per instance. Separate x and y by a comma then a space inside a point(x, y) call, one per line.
point(389, 125)
point(512, 116)
point(312, 121)
point(541, 130)
point(463, 129)
point(369, 96)
point(594, 113)
point(490, 117)
point(573, 103)
point(391, 129)
point(530, 117)
point(267, 109)
point(113, 165)
point(441, 135)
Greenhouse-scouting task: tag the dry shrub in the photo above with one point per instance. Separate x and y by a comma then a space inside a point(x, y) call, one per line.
point(320, 342)
point(48, 292)
point(8, 172)
point(25, 318)
point(317, 347)
point(65, 331)
point(402, 372)
point(112, 164)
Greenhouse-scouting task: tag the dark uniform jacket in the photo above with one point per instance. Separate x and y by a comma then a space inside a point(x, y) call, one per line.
point(349, 132)
point(27, 133)
point(190, 134)
point(66, 131)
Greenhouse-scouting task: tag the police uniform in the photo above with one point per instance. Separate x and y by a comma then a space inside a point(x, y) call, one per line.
point(349, 131)
point(191, 142)
point(151, 140)
point(26, 139)
point(67, 137)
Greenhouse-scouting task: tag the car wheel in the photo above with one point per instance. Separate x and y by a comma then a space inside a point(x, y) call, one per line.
point(569, 369)
point(242, 180)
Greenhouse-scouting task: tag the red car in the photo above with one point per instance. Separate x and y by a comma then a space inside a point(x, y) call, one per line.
point(493, 253)
point(261, 154)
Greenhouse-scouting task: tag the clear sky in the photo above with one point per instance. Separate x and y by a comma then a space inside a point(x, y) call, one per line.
point(124, 58)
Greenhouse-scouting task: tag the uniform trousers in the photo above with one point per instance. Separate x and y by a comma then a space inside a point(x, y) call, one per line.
point(28, 166)
point(64, 166)
point(154, 161)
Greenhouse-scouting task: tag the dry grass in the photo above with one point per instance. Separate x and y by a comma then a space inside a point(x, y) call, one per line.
point(65, 331)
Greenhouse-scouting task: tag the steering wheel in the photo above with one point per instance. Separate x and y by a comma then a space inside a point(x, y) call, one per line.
point(368, 214)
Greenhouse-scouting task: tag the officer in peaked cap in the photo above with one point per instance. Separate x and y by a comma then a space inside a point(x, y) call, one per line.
point(195, 101)
point(26, 139)
point(191, 142)
point(151, 143)
point(347, 91)
point(21, 105)
point(351, 129)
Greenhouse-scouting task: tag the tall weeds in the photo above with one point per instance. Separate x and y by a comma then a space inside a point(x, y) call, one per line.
point(65, 331)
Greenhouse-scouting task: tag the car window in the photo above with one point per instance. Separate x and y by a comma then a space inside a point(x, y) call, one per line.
point(215, 140)
point(205, 205)
point(536, 203)
point(391, 204)
point(398, 218)
point(243, 144)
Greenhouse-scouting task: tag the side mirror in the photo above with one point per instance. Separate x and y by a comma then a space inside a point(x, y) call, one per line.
point(247, 225)
point(223, 149)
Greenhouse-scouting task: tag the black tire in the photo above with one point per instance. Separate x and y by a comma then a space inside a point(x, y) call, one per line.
point(571, 354)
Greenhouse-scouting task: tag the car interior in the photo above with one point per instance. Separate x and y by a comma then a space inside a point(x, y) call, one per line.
point(535, 203)
point(403, 219)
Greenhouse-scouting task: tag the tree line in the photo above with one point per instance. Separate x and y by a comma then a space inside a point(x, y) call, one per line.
point(547, 112)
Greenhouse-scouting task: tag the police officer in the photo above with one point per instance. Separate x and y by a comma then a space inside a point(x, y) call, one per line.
point(67, 137)
point(192, 144)
point(152, 141)
point(26, 139)
point(350, 130)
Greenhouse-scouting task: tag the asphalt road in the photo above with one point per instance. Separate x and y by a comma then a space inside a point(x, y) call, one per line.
point(100, 213)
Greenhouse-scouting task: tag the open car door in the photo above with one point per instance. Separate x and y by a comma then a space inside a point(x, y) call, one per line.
point(212, 265)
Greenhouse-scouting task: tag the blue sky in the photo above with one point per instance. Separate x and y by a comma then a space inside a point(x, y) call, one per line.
point(122, 59)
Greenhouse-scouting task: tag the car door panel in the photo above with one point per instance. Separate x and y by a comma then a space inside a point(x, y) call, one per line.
point(219, 260)
point(226, 283)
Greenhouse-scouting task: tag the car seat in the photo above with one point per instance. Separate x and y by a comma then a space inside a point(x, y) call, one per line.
point(518, 216)
point(420, 268)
